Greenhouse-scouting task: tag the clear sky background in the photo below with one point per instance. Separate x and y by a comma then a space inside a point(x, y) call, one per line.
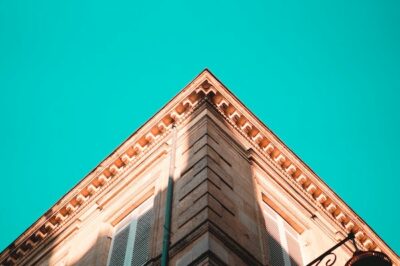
point(78, 77)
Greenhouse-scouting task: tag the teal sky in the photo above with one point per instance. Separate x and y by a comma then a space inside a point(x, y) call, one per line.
point(78, 77)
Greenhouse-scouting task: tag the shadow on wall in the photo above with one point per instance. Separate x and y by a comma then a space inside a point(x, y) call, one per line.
point(216, 216)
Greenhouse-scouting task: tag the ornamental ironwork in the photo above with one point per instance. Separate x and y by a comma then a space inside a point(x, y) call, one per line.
point(360, 258)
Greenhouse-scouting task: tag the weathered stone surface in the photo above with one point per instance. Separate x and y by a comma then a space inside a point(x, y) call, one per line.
point(226, 166)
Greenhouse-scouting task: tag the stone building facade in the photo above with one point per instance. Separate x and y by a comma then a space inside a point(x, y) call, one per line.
point(233, 192)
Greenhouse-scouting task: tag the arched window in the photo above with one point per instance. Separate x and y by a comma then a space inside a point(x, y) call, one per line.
point(131, 241)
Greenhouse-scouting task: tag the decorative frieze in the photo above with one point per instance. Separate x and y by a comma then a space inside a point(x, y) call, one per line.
point(70, 208)
point(301, 179)
point(81, 199)
point(331, 207)
point(340, 217)
point(359, 235)
point(175, 113)
point(291, 169)
point(257, 138)
point(20, 252)
point(30, 243)
point(49, 226)
point(92, 189)
point(59, 217)
point(311, 189)
point(280, 159)
point(11, 260)
point(40, 235)
point(269, 148)
point(349, 226)
point(368, 244)
point(321, 198)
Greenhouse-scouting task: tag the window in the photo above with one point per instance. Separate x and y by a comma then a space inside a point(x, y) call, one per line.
point(131, 241)
point(283, 240)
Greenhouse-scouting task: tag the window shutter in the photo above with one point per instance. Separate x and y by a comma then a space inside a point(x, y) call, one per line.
point(294, 249)
point(119, 247)
point(274, 245)
point(141, 249)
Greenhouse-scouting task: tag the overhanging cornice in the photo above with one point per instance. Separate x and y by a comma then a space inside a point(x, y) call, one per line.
point(205, 87)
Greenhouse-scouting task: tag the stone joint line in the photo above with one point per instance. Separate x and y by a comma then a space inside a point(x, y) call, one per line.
point(106, 175)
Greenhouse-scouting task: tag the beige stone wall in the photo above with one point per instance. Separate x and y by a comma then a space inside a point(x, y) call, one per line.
point(214, 190)
point(222, 183)
point(216, 217)
point(217, 201)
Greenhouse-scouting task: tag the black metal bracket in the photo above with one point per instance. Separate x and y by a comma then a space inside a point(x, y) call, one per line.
point(332, 259)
